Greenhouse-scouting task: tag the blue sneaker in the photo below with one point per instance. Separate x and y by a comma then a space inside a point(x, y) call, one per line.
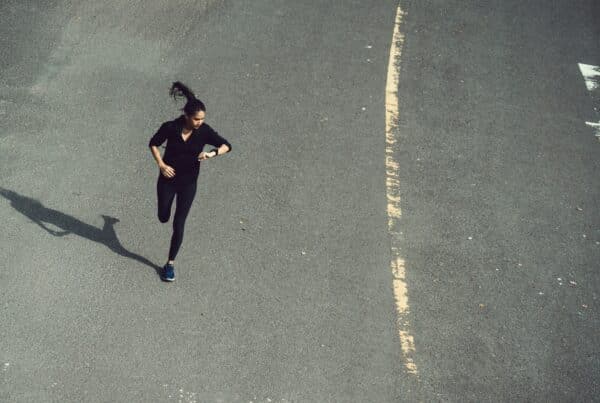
point(168, 273)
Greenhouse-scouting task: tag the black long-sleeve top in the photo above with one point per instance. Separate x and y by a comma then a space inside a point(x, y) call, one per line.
point(183, 155)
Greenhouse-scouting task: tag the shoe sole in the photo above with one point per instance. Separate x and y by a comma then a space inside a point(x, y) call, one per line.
point(167, 279)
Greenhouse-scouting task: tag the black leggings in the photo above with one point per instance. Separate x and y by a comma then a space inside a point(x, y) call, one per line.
point(185, 196)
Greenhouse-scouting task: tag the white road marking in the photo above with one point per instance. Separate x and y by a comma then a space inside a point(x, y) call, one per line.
point(591, 75)
point(393, 198)
point(595, 126)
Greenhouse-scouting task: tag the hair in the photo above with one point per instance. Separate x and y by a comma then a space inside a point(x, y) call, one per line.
point(193, 104)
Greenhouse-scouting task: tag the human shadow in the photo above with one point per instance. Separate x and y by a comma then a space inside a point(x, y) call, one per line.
point(36, 212)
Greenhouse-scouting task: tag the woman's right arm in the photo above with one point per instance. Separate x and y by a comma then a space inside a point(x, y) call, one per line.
point(157, 157)
point(156, 140)
point(165, 169)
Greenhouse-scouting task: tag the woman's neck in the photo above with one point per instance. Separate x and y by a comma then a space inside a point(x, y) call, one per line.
point(185, 124)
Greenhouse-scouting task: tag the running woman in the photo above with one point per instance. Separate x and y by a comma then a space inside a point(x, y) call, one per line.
point(186, 137)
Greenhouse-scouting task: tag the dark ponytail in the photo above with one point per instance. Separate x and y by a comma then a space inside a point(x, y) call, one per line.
point(193, 104)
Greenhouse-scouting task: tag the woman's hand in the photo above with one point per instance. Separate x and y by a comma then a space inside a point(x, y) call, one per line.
point(204, 156)
point(167, 171)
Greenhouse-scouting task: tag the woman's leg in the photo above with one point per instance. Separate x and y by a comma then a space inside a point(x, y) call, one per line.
point(185, 197)
point(166, 194)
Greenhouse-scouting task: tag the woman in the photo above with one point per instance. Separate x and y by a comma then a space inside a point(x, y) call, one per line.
point(186, 136)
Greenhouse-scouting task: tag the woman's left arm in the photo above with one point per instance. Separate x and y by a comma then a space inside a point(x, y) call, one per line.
point(223, 146)
point(223, 149)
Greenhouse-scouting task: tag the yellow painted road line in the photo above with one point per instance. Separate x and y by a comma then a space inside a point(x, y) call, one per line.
point(393, 198)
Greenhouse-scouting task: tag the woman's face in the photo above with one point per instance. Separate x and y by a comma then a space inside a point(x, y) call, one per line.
point(196, 120)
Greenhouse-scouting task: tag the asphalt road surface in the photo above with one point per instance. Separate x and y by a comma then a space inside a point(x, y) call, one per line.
point(284, 287)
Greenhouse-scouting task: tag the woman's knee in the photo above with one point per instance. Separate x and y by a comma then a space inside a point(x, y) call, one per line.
point(163, 217)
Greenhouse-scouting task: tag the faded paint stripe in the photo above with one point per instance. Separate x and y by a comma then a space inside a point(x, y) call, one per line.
point(596, 126)
point(591, 74)
point(393, 198)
